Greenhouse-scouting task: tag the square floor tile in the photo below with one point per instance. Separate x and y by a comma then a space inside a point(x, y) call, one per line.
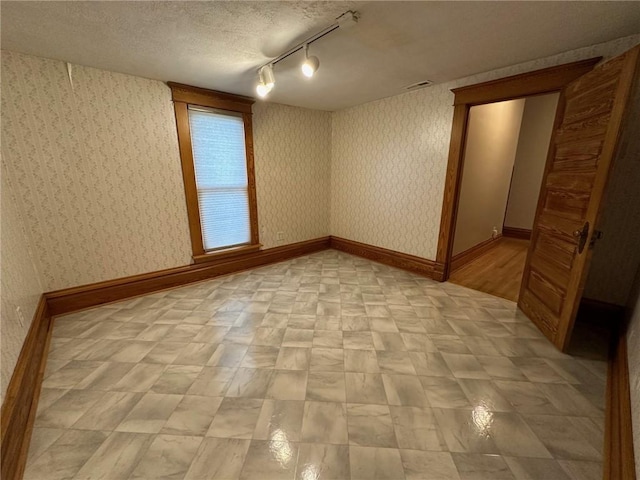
point(169, 456)
point(370, 425)
point(235, 418)
point(270, 459)
point(218, 459)
point(326, 387)
point(325, 422)
point(372, 462)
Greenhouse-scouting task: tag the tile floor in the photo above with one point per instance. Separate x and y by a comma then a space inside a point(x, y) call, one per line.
point(324, 367)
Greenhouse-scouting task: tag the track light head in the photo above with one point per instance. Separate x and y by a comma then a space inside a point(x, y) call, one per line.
point(311, 63)
point(266, 81)
point(262, 90)
point(267, 76)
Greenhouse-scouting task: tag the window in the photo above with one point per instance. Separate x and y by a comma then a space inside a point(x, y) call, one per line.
point(216, 150)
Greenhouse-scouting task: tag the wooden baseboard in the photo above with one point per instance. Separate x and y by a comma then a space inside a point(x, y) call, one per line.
point(20, 403)
point(601, 313)
point(23, 392)
point(86, 296)
point(462, 258)
point(420, 265)
point(513, 232)
point(21, 399)
point(619, 461)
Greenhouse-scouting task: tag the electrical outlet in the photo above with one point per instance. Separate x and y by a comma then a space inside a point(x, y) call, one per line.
point(20, 316)
point(494, 232)
point(280, 236)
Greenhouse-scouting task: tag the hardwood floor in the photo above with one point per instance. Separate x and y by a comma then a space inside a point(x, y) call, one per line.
point(498, 271)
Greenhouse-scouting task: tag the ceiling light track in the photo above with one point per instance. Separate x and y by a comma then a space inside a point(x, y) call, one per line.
point(266, 80)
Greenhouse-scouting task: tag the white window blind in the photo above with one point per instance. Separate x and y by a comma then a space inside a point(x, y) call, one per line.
point(220, 164)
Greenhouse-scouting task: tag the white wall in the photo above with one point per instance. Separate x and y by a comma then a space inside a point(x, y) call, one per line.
point(490, 151)
point(528, 169)
point(20, 283)
point(389, 159)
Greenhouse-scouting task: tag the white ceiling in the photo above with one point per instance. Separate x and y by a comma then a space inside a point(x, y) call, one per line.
point(220, 45)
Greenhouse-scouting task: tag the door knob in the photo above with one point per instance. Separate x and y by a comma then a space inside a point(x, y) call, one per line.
point(582, 236)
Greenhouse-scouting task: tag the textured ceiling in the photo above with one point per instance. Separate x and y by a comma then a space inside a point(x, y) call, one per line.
point(220, 45)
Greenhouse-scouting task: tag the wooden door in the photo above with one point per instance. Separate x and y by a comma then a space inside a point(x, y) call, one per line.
point(591, 110)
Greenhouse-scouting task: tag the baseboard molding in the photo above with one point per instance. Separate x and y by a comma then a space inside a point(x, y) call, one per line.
point(513, 232)
point(601, 313)
point(86, 296)
point(469, 255)
point(20, 403)
point(21, 400)
point(420, 265)
point(619, 461)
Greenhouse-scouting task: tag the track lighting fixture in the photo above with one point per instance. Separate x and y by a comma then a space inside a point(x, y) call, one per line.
point(266, 81)
point(310, 64)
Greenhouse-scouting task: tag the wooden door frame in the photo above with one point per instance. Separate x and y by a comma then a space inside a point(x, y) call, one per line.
point(538, 82)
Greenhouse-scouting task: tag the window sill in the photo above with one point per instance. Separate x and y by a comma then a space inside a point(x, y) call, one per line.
point(226, 254)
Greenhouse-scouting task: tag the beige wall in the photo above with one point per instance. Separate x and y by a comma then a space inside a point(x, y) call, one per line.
point(633, 348)
point(97, 171)
point(490, 151)
point(531, 156)
point(293, 172)
point(20, 283)
point(96, 184)
point(95, 168)
point(616, 256)
point(97, 188)
point(389, 159)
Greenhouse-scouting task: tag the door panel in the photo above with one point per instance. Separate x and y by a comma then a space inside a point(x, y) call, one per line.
point(588, 123)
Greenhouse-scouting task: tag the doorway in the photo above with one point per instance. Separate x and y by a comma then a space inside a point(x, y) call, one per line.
point(505, 155)
point(593, 110)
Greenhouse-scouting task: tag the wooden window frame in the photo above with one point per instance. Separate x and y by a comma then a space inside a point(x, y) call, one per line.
point(183, 96)
point(538, 82)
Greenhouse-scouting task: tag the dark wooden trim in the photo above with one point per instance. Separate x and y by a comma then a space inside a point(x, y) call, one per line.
point(619, 461)
point(513, 232)
point(453, 182)
point(226, 253)
point(183, 96)
point(189, 178)
point(538, 82)
point(20, 403)
point(420, 265)
point(210, 98)
point(86, 296)
point(251, 179)
point(474, 252)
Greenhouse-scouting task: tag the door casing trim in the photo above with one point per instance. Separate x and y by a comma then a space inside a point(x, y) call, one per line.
point(538, 82)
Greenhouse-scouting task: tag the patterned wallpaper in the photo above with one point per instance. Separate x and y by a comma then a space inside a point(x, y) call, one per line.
point(293, 162)
point(20, 284)
point(97, 171)
point(633, 347)
point(389, 159)
point(616, 257)
point(95, 180)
